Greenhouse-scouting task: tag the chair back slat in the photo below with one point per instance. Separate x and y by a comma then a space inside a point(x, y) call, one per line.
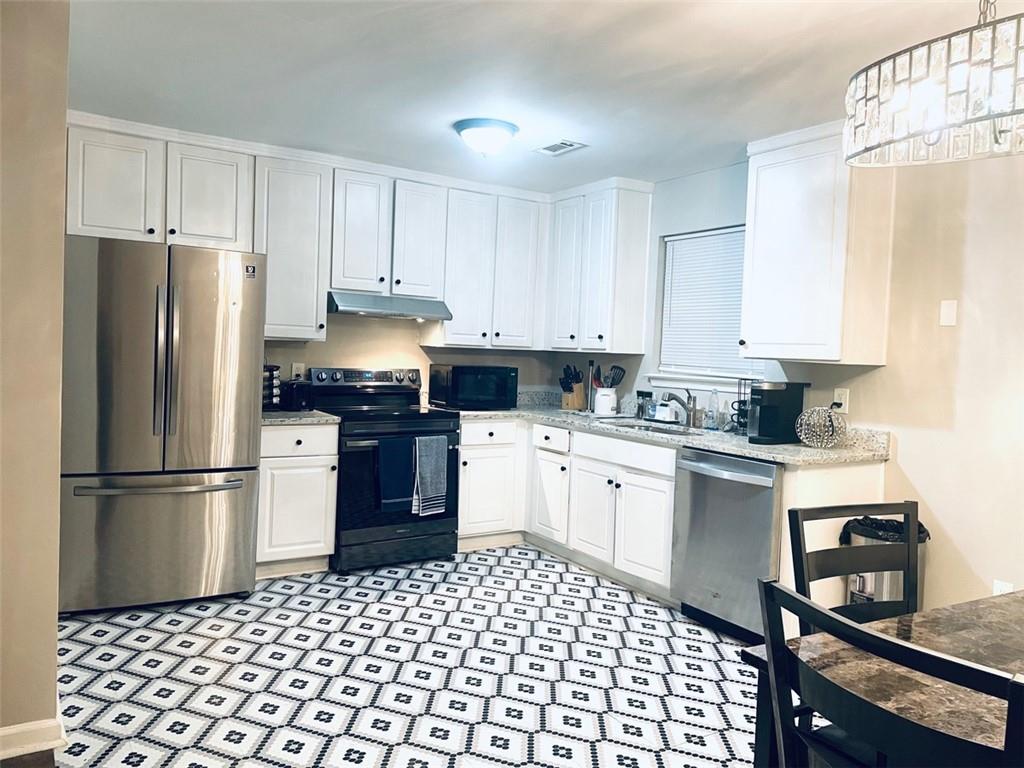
point(873, 611)
point(901, 741)
point(843, 561)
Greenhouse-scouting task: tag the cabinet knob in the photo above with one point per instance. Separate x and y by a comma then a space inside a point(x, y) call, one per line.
point(299, 441)
point(618, 485)
point(547, 437)
point(484, 334)
point(380, 279)
point(496, 334)
point(743, 342)
point(334, 467)
point(465, 463)
point(172, 231)
point(490, 434)
point(320, 326)
point(151, 231)
point(610, 481)
point(398, 281)
point(600, 337)
point(562, 468)
point(572, 337)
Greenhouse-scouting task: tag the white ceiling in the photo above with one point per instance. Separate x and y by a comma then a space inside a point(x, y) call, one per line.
point(658, 89)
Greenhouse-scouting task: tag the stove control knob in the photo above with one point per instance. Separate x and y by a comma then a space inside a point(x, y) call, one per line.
point(321, 376)
point(399, 377)
point(336, 376)
point(413, 376)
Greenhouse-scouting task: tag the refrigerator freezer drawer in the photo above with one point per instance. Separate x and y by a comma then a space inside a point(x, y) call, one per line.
point(156, 538)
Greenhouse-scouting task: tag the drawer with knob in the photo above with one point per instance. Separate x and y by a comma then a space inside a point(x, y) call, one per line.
point(299, 440)
point(551, 438)
point(488, 433)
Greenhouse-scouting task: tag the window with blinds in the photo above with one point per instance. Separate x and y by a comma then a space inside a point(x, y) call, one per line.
point(703, 291)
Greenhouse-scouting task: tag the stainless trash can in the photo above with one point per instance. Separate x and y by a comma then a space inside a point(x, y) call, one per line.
point(888, 585)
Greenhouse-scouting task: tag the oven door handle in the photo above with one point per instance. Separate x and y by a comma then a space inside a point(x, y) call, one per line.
point(347, 444)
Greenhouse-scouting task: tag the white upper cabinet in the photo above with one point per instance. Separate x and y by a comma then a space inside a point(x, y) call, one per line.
point(209, 198)
point(469, 267)
point(600, 261)
point(361, 259)
point(115, 185)
point(293, 227)
point(817, 253)
point(419, 240)
point(567, 263)
point(515, 273)
point(598, 270)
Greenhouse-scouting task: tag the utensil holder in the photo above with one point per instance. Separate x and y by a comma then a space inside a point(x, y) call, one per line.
point(575, 400)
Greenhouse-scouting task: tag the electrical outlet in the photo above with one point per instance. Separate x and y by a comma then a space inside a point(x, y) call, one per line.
point(1000, 587)
point(842, 395)
point(947, 312)
point(298, 370)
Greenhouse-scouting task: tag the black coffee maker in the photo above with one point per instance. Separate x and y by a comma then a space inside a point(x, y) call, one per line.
point(774, 407)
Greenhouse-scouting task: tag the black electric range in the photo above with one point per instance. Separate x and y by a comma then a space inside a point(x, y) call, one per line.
point(376, 406)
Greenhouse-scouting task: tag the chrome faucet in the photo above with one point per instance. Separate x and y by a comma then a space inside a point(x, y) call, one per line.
point(689, 405)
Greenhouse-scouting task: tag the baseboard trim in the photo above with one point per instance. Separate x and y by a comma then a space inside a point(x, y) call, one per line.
point(488, 540)
point(34, 736)
point(291, 567)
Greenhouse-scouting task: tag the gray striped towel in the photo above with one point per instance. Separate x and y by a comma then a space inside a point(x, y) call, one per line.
point(431, 475)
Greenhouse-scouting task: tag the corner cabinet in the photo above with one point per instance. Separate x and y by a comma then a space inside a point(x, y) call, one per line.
point(298, 492)
point(817, 254)
point(419, 240)
point(293, 228)
point(599, 268)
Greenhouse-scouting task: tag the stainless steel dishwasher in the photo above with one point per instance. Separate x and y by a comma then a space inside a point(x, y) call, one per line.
point(725, 534)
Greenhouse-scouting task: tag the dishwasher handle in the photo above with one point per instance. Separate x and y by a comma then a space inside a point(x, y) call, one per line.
point(701, 468)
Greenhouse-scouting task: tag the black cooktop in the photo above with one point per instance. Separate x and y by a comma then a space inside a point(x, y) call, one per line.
point(364, 396)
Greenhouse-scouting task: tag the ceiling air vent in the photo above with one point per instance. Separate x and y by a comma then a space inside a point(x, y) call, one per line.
point(560, 148)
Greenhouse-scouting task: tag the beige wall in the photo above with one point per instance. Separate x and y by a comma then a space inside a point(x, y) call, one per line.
point(33, 102)
point(952, 395)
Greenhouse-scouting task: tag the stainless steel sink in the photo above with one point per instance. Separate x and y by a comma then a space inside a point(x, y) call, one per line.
point(664, 429)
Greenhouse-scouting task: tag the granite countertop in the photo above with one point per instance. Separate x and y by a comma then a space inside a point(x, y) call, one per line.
point(862, 446)
point(985, 632)
point(281, 418)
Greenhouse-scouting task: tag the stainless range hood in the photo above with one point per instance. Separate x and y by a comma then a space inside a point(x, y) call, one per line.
point(351, 303)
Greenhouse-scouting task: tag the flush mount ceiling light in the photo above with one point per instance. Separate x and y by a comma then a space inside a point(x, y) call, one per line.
point(485, 135)
point(957, 97)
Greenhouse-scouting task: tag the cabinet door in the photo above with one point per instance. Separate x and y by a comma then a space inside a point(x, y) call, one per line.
point(515, 270)
point(297, 507)
point(486, 489)
point(361, 258)
point(209, 198)
point(795, 252)
point(598, 269)
point(549, 512)
point(293, 227)
point(115, 185)
point(592, 508)
point(567, 255)
point(643, 526)
point(420, 227)
point(469, 267)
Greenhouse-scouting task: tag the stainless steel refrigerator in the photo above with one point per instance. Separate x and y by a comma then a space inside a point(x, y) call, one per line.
point(162, 394)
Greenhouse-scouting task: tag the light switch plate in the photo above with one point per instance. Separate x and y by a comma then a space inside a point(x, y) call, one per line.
point(298, 370)
point(1000, 587)
point(842, 395)
point(947, 312)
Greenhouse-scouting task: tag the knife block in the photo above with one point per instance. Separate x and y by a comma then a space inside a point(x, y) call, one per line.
point(575, 400)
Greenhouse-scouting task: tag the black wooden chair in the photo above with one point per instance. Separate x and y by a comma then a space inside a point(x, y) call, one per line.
point(862, 733)
point(846, 561)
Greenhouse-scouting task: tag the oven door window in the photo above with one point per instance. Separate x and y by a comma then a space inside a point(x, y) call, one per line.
point(483, 389)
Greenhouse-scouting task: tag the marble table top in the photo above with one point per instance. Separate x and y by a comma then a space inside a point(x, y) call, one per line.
point(989, 632)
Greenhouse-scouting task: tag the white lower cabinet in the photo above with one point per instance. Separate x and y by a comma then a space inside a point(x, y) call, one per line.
point(643, 526)
point(548, 514)
point(487, 489)
point(592, 508)
point(298, 498)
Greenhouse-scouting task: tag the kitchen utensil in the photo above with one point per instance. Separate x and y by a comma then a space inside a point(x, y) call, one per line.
point(618, 373)
point(821, 427)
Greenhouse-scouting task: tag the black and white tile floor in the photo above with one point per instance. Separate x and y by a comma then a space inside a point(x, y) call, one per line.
point(505, 657)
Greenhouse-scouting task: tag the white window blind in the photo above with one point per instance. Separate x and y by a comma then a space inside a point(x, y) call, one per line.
point(703, 291)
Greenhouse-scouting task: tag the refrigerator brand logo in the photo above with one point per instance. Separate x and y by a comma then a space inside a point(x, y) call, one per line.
point(250, 271)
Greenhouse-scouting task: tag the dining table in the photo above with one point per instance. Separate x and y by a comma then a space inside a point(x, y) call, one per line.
point(989, 631)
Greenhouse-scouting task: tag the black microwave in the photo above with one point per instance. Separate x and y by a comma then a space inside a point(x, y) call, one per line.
point(474, 387)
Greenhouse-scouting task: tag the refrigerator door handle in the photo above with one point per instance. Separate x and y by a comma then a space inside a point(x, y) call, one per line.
point(160, 361)
point(172, 406)
point(87, 490)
